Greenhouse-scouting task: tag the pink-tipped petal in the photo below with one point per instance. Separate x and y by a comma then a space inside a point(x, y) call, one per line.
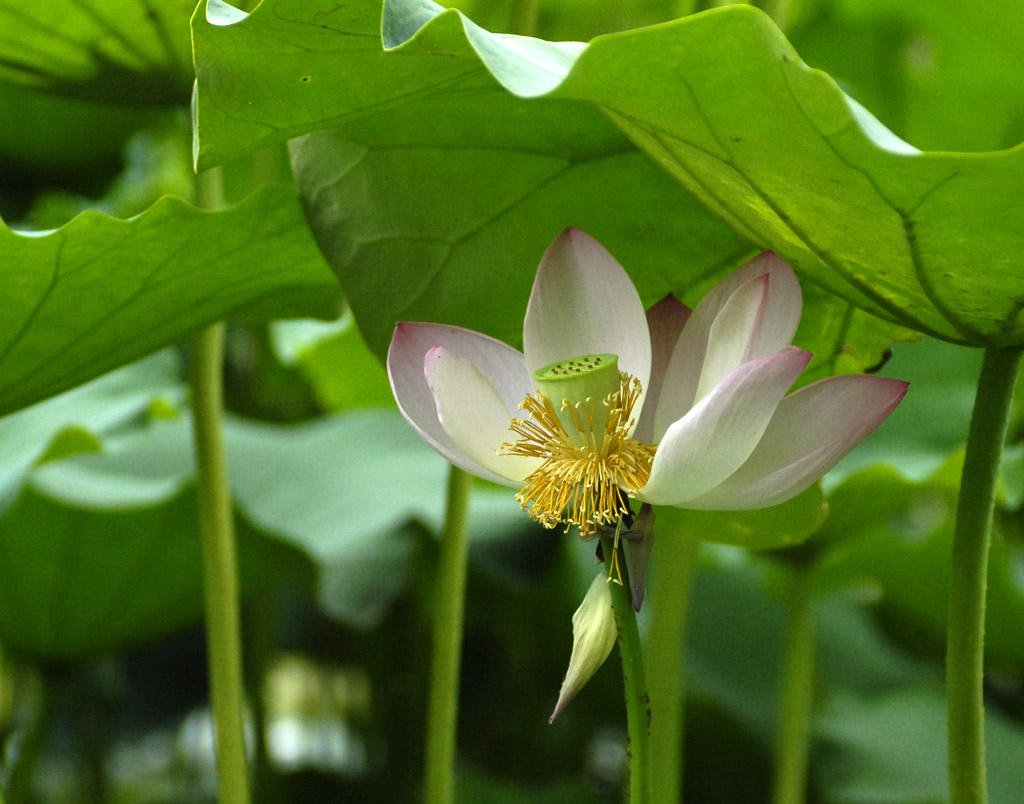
point(813, 428)
point(720, 432)
point(473, 415)
point(665, 321)
point(583, 302)
point(503, 366)
point(779, 318)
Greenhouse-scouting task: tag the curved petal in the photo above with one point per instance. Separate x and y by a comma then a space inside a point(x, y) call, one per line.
point(473, 415)
point(583, 302)
point(503, 366)
point(720, 432)
point(665, 320)
point(782, 308)
point(733, 334)
point(778, 317)
point(813, 428)
point(593, 637)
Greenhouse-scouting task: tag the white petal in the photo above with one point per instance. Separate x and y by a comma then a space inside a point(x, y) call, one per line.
point(583, 302)
point(593, 636)
point(502, 365)
point(782, 308)
point(665, 320)
point(813, 428)
point(473, 414)
point(720, 432)
point(733, 334)
point(778, 321)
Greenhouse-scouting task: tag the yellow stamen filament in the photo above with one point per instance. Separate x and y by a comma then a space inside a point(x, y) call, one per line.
point(580, 480)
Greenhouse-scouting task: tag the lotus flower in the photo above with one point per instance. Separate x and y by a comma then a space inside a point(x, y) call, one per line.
point(670, 407)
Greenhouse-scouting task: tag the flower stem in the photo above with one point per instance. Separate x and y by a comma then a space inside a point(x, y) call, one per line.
point(965, 646)
point(449, 604)
point(638, 705)
point(223, 632)
point(666, 637)
point(792, 745)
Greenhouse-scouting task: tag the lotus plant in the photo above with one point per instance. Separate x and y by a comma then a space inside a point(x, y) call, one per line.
point(607, 403)
point(670, 407)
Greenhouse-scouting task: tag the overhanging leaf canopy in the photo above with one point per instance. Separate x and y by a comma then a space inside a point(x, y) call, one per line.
point(719, 101)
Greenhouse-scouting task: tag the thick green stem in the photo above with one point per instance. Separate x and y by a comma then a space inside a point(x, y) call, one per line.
point(634, 682)
point(223, 631)
point(449, 605)
point(965, 646)
point(672, 577)
point(792, 747)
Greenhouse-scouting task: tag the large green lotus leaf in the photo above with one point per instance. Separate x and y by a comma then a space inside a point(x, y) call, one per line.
point(578, 20)
point(437, 191)
point(100, 292)
point(123, 52)
point(427, 224)
point(340, 489)
point(722, 103)
point(446, 215)
point(77, 582)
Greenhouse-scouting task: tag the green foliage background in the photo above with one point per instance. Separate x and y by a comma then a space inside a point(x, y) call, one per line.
point(429, 175)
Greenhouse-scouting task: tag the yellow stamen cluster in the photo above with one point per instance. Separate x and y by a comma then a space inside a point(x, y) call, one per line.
point(580, 480)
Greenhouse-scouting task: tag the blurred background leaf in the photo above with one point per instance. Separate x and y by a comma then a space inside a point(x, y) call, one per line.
point(94, 409)
point(785, 525)
point(941, 75)
point(118, 51)
point(81, 582)
point(100, 292)
point(355, 482)
point(886, 748)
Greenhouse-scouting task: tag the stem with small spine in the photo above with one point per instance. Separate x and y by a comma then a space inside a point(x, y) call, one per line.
point(220, 568)
point(449, 607)
point(792, 745)
point(672, 577)
point(217, 532)
point(638, 707)
point(965, 645)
